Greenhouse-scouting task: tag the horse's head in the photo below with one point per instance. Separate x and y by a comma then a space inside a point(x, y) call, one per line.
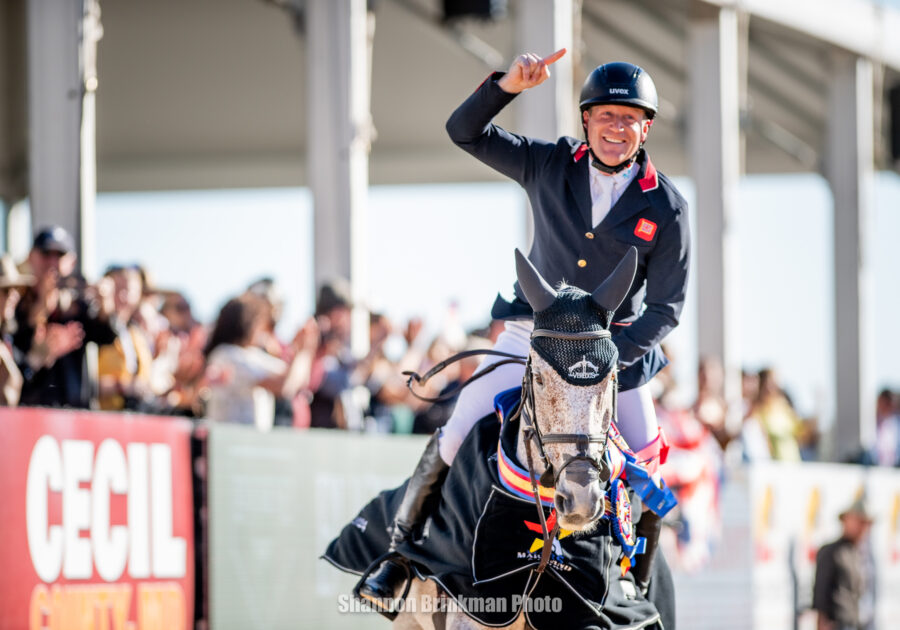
point(569, 390)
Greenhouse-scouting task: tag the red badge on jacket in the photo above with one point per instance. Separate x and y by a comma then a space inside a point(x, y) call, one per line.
point(645, 229)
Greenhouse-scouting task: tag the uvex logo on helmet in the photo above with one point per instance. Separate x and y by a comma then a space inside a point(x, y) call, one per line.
point(624, 91)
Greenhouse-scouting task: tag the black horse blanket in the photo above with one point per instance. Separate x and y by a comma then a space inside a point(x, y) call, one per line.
point(483, 543)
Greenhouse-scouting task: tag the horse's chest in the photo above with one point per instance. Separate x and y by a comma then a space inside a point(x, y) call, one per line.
point(508, 539)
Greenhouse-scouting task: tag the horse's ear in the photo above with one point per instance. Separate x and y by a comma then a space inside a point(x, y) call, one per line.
point(539, 294)
point(610, 294)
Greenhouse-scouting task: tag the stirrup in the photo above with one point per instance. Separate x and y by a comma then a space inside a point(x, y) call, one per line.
point(379, 583)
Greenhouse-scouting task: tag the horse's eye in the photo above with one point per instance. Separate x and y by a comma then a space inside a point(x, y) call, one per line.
point(538, 379)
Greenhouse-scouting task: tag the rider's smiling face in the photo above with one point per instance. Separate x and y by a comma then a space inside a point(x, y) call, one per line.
point(615, 132)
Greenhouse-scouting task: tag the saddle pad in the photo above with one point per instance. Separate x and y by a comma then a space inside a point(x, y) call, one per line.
point(476, 531)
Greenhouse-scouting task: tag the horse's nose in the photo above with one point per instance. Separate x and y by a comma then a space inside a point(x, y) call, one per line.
point(564, 501)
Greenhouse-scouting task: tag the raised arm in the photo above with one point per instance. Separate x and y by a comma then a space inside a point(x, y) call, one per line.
point(471, 129)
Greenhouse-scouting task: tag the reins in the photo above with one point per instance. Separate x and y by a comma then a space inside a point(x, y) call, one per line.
point(421, 380)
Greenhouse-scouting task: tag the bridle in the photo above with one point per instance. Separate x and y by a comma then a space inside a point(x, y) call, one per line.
point(582, 441)
point(531, 432)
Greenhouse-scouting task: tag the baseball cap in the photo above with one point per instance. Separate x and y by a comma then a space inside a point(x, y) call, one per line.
point(54, 239)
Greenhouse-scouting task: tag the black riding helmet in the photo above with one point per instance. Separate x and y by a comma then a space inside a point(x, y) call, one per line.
point(619, 83)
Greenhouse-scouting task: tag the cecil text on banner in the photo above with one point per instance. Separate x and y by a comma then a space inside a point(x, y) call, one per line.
point(96, 523)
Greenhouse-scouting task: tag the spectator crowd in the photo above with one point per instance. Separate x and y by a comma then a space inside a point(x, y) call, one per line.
point(122, 344)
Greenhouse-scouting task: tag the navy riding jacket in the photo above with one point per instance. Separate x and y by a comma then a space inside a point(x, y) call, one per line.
point(651, 215)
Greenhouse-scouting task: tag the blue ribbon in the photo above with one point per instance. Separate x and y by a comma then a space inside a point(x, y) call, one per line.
point(659, 499)
point(620, 503)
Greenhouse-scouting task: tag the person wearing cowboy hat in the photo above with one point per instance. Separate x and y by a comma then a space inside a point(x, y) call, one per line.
point(12, 285)
point(843, 588)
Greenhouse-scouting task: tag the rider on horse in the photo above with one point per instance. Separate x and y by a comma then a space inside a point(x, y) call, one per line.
point(592, 201)
point(484, 550)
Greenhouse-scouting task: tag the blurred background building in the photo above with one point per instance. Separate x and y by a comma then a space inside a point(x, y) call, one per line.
point(200, 149)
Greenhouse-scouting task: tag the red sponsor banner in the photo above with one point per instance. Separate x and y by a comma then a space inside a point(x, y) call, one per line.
point(96, 521)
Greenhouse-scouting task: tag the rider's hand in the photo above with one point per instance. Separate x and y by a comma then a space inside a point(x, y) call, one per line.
point(527, 71)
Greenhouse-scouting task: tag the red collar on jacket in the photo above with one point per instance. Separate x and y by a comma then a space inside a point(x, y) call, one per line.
point(648, 179)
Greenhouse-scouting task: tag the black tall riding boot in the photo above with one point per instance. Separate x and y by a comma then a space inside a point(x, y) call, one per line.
point(421, 497)
point(648, 527)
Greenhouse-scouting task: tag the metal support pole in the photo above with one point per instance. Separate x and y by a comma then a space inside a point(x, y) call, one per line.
point(715, 142)
point(91, 31)
point(550, 110)
point(340, 129)
point(14, 102)
point(849, 169)
point(54, 113)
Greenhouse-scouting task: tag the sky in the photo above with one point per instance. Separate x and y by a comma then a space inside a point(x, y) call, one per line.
point(431, 246)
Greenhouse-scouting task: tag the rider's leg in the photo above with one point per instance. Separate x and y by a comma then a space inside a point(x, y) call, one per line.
point(662, 592)
point(638, 425)
point(421, 491)
point(648, 527)
point(637, 417)
point(477, 400)
point(474, 402)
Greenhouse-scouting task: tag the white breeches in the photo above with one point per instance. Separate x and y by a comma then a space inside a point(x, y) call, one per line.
point(637, 417)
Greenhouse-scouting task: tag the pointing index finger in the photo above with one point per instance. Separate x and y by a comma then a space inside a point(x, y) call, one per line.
point(554, 57)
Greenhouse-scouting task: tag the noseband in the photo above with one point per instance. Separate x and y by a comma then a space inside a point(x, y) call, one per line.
point(582, 441)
